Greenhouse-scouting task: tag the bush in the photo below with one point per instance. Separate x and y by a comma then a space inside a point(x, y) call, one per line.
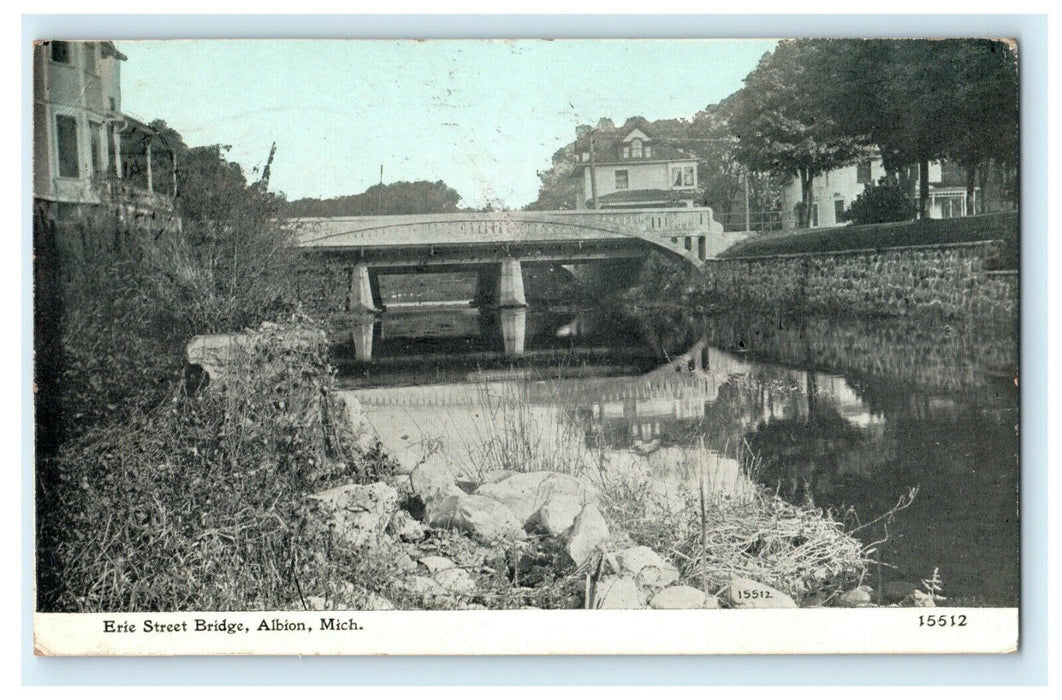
point(197, 505)
point(887, 201)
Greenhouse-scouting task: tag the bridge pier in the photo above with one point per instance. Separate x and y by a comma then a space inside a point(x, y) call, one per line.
point(362, 296)
point(511, 285)
point(488, 278)
point(361, 334)
point(514, 330)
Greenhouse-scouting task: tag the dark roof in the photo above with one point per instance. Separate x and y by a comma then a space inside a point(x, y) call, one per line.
point(608, 144)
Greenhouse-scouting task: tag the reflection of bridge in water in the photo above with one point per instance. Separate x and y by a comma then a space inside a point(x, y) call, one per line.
point(676, 393)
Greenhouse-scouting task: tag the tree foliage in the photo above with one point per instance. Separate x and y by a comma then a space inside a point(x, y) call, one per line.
point(878, 204)
point(780, 124)
point(420, 197)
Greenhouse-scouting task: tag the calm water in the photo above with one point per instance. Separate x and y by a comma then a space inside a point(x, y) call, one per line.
point(851, 415)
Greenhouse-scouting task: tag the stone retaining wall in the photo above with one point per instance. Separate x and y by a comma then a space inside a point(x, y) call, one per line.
point(948, 279)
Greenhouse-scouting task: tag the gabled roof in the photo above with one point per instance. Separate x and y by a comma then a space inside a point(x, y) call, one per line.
point(608, 144)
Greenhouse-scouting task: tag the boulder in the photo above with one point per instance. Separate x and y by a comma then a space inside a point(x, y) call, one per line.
point(525, 493)
point(556, 515)
point(455, 581)
point(377, 602)
point(493, 477)
point(405, 527)
point(618, 593)
point(485, 519)
point(855, 598)
point(681, 598)
point(215, 352)
point(645, 565)
point(895, 591)
point(357, 514)
point(586, 535)
point(746, 593)
point(918, 599)
point(436, 564)
point(434, 479)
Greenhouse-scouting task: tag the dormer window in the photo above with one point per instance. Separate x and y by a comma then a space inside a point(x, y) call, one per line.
point(584, 156)
point(636, 148)
point(626, 151)
point(648, 151)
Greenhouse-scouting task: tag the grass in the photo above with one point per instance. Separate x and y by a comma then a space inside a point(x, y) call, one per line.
point(1002, 226)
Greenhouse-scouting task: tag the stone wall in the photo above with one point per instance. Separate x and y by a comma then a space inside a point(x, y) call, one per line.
point(949, 280)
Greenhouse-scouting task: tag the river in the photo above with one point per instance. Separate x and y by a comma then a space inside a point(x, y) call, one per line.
point(849, 415)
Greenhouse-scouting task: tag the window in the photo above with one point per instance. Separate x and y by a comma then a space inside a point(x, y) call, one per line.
point(636, 148)
point(863, 172)
point(682, 177)
point(584, 156)
point(60, 51)
point(66, 142)
point(648, 151)
point(96, 143)
point(838, 210)
point(90, 58)
point(622, 181)
point(626, 151)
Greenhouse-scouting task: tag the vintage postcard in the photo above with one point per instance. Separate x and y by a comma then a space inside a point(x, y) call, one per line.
point(526, 347)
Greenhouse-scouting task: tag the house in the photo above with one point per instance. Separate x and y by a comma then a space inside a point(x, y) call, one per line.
point(88, 155)
point(631, 169)
point(834, 191)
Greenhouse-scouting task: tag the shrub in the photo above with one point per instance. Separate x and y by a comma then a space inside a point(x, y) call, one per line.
point(882, 203)
point(197, 504)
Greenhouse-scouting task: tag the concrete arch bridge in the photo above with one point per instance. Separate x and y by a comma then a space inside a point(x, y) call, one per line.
point(499, 244)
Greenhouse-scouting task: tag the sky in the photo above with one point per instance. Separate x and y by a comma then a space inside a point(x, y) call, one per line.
point(483, 116)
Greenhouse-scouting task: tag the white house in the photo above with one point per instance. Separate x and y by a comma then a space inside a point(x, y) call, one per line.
point(86, 152)
point(631, 169)
point(834, 191)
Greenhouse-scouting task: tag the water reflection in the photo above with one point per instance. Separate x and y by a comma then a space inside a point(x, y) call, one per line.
point(850, 415)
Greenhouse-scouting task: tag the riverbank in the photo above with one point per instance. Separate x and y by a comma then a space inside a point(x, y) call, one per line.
point(947, 269)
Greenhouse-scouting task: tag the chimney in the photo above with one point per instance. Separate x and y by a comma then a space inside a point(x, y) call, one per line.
point(582, 130)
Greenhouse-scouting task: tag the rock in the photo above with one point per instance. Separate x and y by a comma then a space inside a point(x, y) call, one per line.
point(645, 565)
point(434, 479)
point(556, 515)
point(215, 352)
point(746, 593)
point(855, 598)
point(586, 535)
point(618, 593)
point(895, 591)
point(316, 602)
point(358, 514)
point(493, 477)
point(377, 602)
point(455, 581)
point(918, 599)
point(681, 598)
point(485, 519)
point(525, 493)
point(436, 564)
point(405, 527)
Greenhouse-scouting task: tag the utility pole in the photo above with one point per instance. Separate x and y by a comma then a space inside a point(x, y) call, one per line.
point(593, 170)
point(748, 222)
point(379, 193)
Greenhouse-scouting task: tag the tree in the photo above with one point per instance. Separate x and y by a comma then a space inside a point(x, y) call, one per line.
point(420, 197)
point(559, 188)
point(878, 204)
point(780, 125)
point(920, 100)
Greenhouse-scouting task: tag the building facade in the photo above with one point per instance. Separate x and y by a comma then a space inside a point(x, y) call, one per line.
point(630, 169)
point(834, 191)
point(88, 154)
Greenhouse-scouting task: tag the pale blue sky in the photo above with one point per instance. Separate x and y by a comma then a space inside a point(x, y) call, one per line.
point(482, 115)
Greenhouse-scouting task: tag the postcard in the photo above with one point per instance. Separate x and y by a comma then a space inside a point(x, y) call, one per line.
point(371, 347)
